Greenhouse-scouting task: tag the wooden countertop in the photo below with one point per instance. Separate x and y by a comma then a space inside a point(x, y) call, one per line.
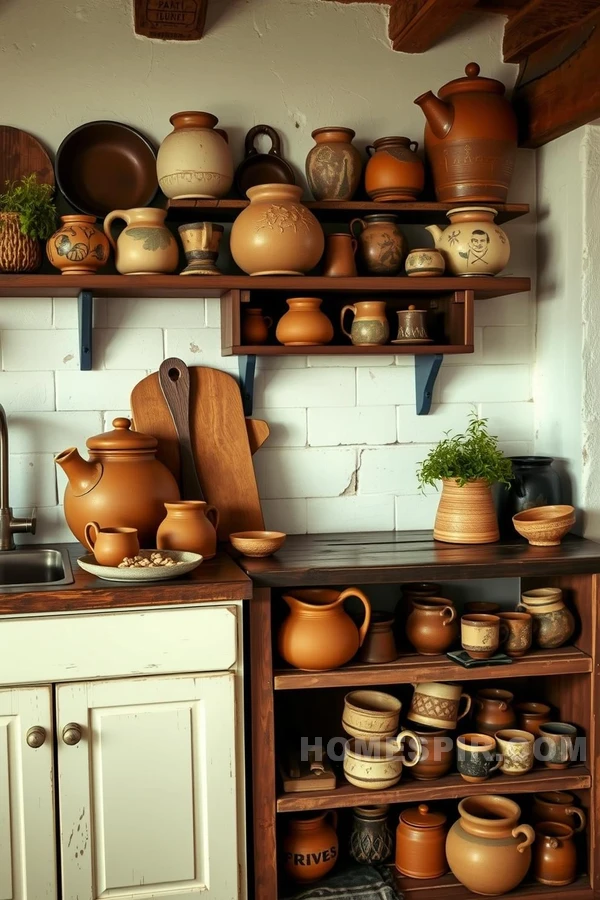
point(216, 579)
point(392, 557)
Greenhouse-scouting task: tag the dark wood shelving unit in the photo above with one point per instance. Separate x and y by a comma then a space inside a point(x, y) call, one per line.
point(449, 887)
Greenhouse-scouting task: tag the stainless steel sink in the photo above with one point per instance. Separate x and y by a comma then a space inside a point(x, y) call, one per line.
point(34, 568)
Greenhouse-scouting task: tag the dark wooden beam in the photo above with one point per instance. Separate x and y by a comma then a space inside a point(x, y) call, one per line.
point(170, 20)
point(416, 25)
point(539, 21)
point(501, 7)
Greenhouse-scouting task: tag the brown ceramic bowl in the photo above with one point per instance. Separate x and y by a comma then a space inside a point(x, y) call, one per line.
point(257, 543)
point(545, 526)
point(103, 165)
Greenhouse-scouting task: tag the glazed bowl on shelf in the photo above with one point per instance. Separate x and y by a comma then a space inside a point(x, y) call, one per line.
point(545, 526)
point(257, 543)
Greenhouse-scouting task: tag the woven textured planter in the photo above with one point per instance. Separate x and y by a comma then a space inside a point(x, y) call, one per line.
point(18, 253)
point(466, 515)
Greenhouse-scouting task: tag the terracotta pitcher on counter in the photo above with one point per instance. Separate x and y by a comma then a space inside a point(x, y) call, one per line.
point(189, 525)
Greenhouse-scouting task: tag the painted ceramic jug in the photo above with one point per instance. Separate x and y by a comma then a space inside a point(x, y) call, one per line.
point(78, 247)
point(333, 166)
point(382, 246)
point(472, 244)
point(369, 325)
point(318, 633)
point(145, 246)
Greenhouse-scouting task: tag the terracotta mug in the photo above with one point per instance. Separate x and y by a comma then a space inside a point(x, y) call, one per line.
point(437, 705)
point(554, 854)
point(110, 546)
point(371, 714)
point(437, 753)
point(494, 710)
point(516, 636)
point(339, 261)
point(530, 716)
point(517, 751)
point(558, 744)
point(477, 757)
point(558, 806)
point(480, 635)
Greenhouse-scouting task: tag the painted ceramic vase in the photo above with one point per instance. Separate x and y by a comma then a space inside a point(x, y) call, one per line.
point(553, 622)
point(304, 324)
point(394, 171)
point(421, 843)
point(487, 850)
point(145, 246)
point(423, 262)
point(493, 710)
point(79, 247)
point(276, 234)
point(333, 166)
point(466, 514)
point(381, 244)
point(200, 241)
point(189, 525)
point(554, 854)
point(194, 161)
point(371, 839)
point(472, 244)
point(431, 626)
point(255, 326)
point(369, 326)
point(310, 847)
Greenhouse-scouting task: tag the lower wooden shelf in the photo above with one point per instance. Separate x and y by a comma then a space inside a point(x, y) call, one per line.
point(449, 887)
point(451, 787)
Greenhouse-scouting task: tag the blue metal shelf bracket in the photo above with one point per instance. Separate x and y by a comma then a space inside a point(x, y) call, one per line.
point(247, 367)
point(85, 314)
point(426, 372)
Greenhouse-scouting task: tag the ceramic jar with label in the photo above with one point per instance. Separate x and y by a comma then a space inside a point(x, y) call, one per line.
point(553, 621)
point(304, 324)
point(310, 847)
point(79, 247)
point(394, 171)
point(381, 244)
point(333, 166)
point(432, 626)
point(371, 840)
point(472, 244)
point(145, 246)
point(493, 710)
point(369, 325)
point(189, 525)
point(421, 843)
point(194, 161)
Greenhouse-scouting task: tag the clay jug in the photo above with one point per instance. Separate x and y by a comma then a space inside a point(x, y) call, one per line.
point(145, 246)
point(310, 847)
point(472, 244)
point(432, 627)
point(470, 139)
point(394, 171)
point(194, 160)
point(494, 710)
point(553, 622)
point(554, 854)
point(382, 246)
point(122, 484)
point(189, 525)
point(276, 234)
point(79, 247)
point(339, 259)
point(318, 633)
point(369, 326)
point(333, 166)
point(421, 843)
point(255, 326)
point(304, 324)
point(558, 806)
point(466, 514)
point(487, 850)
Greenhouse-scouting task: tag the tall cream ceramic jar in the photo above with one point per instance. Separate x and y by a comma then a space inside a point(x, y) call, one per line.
point(194, 161)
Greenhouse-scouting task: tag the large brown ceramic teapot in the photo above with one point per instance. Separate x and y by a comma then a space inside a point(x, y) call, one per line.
point(122, 483)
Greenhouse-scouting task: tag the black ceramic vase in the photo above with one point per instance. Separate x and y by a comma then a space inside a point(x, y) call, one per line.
point(534, 483)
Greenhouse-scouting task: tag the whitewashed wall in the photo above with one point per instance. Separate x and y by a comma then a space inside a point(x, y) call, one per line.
point(345, 438)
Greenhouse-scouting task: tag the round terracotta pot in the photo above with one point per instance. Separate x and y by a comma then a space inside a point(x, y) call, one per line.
point(379, 645)
point(310, 847)
point(381, 245)
point(493, 710)
point(304, 324)
point(554, 854)
point(431, 626)
point(195, 159)
point(421, 843)
point(553, 621)
point(145, 246)
point(472, 244)
point(558, 806)
point(255, 326)
point(371, 839)
point(394, 171)
point(189, 525)
point(333, 166)
point(79, 247)
point(18, 253)
point(437, 755)
point(487, 850)
point(466, 515)
point(276, 234)
point(530, 716)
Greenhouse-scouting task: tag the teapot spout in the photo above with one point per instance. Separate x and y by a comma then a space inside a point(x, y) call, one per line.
point(439, 115)
point(82, 474)
point(436, 232)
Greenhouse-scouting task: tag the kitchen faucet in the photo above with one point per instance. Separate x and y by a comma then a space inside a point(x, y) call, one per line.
point(9, 524)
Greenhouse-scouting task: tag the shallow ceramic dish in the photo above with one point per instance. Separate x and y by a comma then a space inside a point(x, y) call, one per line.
point(545, 526)
point(185, 562)
point(257, 543)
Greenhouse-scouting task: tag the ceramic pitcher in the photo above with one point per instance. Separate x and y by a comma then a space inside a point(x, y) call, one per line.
point(189, 525)
point(145, 246)
point(369, 326)
point(339, 261)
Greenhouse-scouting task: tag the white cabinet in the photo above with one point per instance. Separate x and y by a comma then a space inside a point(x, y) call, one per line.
point(27, 832)
point(147, 795)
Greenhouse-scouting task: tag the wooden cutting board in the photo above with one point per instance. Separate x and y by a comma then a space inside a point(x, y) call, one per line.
point(219, 441)
point(22, 154)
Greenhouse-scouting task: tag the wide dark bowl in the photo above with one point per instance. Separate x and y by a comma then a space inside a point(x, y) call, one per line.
point(103, 165)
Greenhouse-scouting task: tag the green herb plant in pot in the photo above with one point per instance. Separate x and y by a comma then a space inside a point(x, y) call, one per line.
point(467, 465)
point(27, 216)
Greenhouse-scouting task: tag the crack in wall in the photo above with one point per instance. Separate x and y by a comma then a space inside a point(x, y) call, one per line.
point(351, 488)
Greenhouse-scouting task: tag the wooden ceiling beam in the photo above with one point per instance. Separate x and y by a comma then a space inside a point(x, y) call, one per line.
point(539, 21)
point(416, 25)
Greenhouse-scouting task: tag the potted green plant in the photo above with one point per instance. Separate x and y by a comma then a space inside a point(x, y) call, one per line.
point(27, 216)
point(467, 465)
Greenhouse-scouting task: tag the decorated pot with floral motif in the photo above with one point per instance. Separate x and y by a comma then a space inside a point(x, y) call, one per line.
point(79, 247)
point(381, 244)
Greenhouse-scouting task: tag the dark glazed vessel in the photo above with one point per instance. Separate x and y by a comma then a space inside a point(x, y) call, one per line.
point(534, 483)
point(371, 839)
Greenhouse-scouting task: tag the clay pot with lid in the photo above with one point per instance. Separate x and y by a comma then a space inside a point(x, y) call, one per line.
point(487, 850)
point(470, 139)
point(122, 484)
point(333, 166)
point(310, 847)
point(194, 161)
point(432, 627)
point(554, 854)
point(494, 710)
point(394, 171)
point(421, 843)
point(189, 525)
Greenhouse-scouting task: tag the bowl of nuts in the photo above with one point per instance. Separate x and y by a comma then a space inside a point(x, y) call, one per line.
point(148, 565)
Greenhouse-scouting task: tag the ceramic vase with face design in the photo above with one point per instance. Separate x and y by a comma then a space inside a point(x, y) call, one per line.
point(472, 244)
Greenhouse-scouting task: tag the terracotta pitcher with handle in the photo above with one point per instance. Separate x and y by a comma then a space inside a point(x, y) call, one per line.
point(318, 634)
point(145, 246)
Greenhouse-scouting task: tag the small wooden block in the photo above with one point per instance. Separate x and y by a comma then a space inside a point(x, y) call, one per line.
point(306, 775)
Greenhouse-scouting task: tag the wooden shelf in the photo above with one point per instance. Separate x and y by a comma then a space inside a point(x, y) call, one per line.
point(414, 668)
point(448, 887)
point(451, 787)
point(336, 350)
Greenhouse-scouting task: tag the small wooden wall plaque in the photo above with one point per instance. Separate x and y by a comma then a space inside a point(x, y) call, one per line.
point(170, 20)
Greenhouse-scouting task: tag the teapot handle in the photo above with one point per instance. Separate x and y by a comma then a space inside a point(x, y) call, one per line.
point(90, 533)
point(115, 214)
point(356, 592)
point(345, 309)
point(370, 150)
point(250, 149)
point(529, 833)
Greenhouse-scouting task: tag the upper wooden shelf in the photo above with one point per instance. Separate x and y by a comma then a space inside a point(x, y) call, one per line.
point(422, 213)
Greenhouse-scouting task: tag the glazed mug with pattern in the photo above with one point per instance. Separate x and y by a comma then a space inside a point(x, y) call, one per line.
point(517, 751)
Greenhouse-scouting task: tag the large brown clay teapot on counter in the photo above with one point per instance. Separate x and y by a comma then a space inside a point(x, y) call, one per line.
point(121, 484)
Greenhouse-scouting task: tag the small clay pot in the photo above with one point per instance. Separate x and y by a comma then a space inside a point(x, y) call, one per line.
point(531, 716)
point(394, 171)
point(494, 710)
point(412, 326)
point(255, 326)
point(554, 854)
point(79, 247)
point(558, 806)
point(553, 622)
point(310, 847)
point(421, 843)
point(437, 756)
point(423, 262)
point(333, 166)
point(304, 324)
point(379, 645)
point(431, 626)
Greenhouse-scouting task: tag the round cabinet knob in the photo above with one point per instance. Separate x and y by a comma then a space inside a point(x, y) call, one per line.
point(36, 736)
point(71, 734)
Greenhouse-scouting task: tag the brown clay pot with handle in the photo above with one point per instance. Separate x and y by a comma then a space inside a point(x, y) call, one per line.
point(255, 326)
point(189, 525)
point(554, 854)
point(487, 850)
point(558, 806)
point(110, 546)
point(494, 710)
point(310, 847)
point(318, 633)
point(394, 171)
point(466, 514)
point(432, 626)
point(369, 326)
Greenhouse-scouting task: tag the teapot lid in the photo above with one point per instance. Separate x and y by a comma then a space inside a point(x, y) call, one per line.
point(420, 817)
point(122, 438)
point(471, 83)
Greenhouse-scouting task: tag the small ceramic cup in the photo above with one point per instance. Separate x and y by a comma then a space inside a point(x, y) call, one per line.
point(517, 751)
point(371, 714)
point(477, 757)
point(437, 705)
point(531, 715)
point(480, 635)
point(376, 765)
point(437, 753)
point(110, 546)
point(557, 740)
point(516, 635)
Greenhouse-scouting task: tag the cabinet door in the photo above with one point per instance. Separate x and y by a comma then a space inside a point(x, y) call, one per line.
point(27, 833)
point(147, 796)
